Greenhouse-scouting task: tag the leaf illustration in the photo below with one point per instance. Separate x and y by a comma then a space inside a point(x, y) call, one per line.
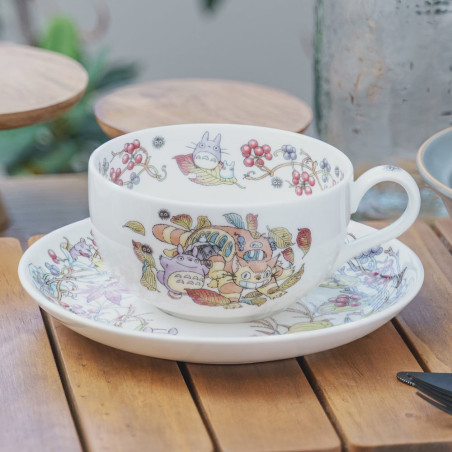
point(288, 255)
point(281, 236)
point(251, 221)
point(135, 226)
point(182, 220)
point(258, 301)
point(253, 294)
point(148, 279)
point(203, 176)
point(170, 253)
point(185, 163)
point(235, 219)
point(309, 326)
point(289, 282)
point(304, 240)
point(207, 297)
point(202, 223)
point(210, 177)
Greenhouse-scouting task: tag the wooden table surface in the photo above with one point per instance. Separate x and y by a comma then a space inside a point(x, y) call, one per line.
point(185, 101)
point(60, 391)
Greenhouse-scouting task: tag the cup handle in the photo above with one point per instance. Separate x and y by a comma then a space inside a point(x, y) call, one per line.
point(386, 173)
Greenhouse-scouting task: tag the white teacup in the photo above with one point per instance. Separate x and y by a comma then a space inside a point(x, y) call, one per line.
point(229, 223)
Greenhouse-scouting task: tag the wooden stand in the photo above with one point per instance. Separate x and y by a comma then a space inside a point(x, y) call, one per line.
point(188, 101)
point(37, 85)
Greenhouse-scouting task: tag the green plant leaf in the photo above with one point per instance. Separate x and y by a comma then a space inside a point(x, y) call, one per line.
point(62, 36)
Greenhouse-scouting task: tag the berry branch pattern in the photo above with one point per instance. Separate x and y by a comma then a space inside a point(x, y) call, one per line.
point(126, 166)
point(206, 165)
point(306, 173)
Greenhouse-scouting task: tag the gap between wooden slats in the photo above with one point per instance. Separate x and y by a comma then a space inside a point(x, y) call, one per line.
point(125, 402)
point(357, 382)
point(34, 413)
point(263, 406)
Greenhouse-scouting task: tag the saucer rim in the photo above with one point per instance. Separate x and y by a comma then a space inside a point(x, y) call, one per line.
point(73, 318)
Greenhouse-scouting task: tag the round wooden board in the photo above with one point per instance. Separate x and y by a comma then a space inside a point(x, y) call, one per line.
point(37, 85)
point(184, 101)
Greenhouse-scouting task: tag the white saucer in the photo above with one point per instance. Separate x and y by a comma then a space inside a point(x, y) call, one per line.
point(73, 285)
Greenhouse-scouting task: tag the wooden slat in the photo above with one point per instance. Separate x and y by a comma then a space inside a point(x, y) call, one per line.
point(34, 413)
point(267, 406)
point(443, 228)
point(427, 320)
point(126, 402)
point(370, 407)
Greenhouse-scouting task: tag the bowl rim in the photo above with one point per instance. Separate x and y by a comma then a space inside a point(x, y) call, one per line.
point(428, 177)
point(94, 173)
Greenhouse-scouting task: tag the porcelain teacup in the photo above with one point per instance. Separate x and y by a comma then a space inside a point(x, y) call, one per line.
point(229, 223)
point(434, 162)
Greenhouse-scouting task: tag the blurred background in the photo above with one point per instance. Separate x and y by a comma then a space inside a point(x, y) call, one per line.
point(121, 42)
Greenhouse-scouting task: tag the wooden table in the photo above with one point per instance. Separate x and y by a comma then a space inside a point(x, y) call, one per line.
point(61, 391)
point(183, 101)
point(36, 85)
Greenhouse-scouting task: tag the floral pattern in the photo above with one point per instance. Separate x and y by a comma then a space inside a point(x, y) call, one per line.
point(126, 166)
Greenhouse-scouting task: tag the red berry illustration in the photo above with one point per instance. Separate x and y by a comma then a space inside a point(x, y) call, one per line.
point(311, 181)
point(252, 144)
point(138, 158)
point(130, 165)
point(118, 172)
point(305, 176)
point(130, 148)
point(299, 190)
point(295, 174)
point(308, 190)
point(136, 144)
point(259, 162)
point(248, 162)
point(268, 156)
point(112, 171)
point(246, 150)
point(125, 158)
point(266, 148)
point(258, 151)
point(120, 182)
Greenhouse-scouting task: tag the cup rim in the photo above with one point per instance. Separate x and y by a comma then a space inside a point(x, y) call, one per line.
point(94, 173)
point(427, 176)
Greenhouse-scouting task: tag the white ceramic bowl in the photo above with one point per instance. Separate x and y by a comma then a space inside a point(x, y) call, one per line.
point(434, 162)
point(228, 223)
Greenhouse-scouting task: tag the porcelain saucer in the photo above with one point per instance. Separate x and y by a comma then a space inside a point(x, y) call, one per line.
point(64, 273)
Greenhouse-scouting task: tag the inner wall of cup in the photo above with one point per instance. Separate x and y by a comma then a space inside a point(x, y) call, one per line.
point(435, 158)
point(212, 163)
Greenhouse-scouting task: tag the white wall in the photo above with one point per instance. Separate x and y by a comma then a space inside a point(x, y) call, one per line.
point(262, 41)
